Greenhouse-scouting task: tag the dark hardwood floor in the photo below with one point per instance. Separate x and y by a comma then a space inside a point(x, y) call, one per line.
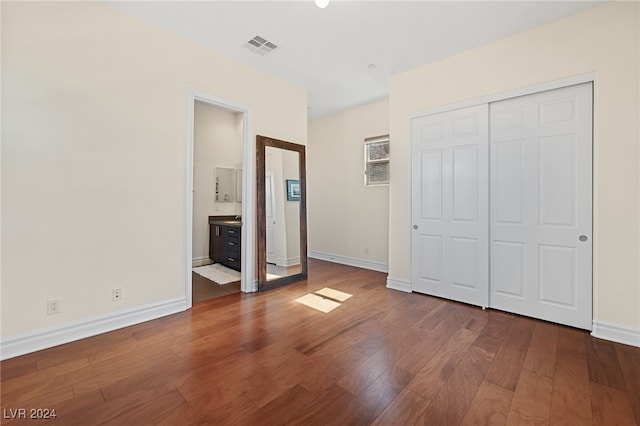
point(382, 357)
point(205, 289)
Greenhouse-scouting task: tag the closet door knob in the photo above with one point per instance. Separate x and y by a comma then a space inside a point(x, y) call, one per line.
point(415, 226)
point(583, 238)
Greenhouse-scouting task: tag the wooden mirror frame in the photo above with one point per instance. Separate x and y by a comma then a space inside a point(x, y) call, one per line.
point(262, 142)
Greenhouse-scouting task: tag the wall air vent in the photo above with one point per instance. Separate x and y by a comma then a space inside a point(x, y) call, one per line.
point(261, 45)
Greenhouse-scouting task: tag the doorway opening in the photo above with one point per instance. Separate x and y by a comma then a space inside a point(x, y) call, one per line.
point(211, 166)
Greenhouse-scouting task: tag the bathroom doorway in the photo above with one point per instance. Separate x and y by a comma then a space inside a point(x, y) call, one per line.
point(219, 146)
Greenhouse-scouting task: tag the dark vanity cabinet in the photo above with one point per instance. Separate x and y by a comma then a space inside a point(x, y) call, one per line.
point(224, 243)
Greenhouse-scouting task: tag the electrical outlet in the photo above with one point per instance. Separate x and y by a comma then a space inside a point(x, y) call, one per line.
point(53, 306)
point(116, 294)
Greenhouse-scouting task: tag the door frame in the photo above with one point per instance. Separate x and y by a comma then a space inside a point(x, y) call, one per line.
point(248, 279)
point(514, 93)
point(530, 90)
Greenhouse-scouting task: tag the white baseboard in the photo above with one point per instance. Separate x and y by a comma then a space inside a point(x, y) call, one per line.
point(351, 261)
point(285, 263)
point(65, 333)
point(398, 284)
point(200, 261)
point(616, 333)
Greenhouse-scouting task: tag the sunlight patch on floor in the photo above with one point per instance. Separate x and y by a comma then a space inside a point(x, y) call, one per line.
point(318, 303)
point(333, 294)
point(324, 300)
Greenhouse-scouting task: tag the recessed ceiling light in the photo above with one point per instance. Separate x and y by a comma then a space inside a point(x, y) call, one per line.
point(372, 66)
point(322, 3)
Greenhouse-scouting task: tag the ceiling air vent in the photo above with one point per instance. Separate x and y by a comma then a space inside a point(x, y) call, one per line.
point(261, 46)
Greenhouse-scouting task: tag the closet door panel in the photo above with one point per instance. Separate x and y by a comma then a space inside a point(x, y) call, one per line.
point(508, 182)
point(465, 262)
point(449, 254)
point(465, 184)
point(541, 205)
point(502, 205)
point(431, 268)
point(507, 272)
point(431, 190)
point(558, 195)
point(557, 272)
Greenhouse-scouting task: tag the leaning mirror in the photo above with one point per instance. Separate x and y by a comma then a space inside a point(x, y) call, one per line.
point(282, 213)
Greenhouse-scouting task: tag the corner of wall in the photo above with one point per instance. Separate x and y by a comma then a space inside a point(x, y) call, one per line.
point(616, 333)
point(399, 284)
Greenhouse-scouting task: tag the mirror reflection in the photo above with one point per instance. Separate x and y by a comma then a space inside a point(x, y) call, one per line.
point(225, 184)
point(282, 236)
point(282, 208)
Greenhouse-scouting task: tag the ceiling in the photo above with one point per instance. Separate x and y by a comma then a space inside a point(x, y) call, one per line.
point(343, 55)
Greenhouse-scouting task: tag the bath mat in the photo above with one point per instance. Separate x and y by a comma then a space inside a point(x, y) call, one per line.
point(218, 273)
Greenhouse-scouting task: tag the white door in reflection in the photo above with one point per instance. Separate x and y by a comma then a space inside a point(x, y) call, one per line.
point(271, 218)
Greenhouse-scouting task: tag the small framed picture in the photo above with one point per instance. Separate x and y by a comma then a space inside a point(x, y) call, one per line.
point(293, 190)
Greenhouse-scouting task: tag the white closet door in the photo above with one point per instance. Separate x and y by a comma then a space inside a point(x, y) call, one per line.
point(449, 244)
point(541, 205)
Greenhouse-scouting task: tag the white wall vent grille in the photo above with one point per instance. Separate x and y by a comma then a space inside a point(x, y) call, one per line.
point(261, 46)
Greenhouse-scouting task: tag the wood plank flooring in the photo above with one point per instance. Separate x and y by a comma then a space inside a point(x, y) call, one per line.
point(383, 357)
point(204, 289)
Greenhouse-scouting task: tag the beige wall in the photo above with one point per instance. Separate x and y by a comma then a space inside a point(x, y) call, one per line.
point(347, 218)
point(217, 142)
point(604, 40)
point(94, 157)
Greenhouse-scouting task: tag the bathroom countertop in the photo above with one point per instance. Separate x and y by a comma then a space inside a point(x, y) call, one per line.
point(224, 221)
